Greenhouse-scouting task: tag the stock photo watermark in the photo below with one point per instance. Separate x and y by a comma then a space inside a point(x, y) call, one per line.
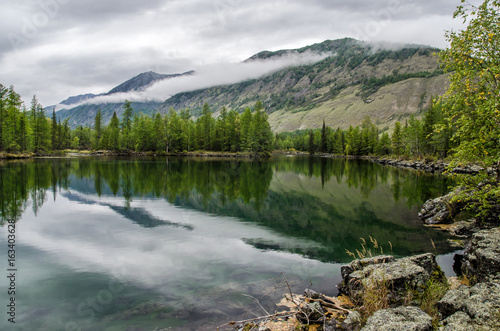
point(11, 271)
point(31, 25)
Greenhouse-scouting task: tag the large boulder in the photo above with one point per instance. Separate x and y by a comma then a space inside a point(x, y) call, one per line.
point(401, 318)
point(471, 308)
point(437, 211)
point(481, 260)
point(396, 276)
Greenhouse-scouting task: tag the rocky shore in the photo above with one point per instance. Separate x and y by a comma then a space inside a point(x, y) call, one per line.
point(383, 293)
point(431, 166)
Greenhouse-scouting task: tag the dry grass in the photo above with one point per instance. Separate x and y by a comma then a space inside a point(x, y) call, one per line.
point(367, 251)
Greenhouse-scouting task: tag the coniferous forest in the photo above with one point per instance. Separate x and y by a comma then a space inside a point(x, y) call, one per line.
point(32, 130)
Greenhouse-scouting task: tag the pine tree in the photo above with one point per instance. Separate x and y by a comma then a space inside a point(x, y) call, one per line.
point(127, 125)
point(3, 106)
point(206, 124)
point(397, 143)
point(10, 130)
point(97, 130)
point(324, 142)
point(114, 133)
point(54, 140)
point(311, 142)
point(246, 133)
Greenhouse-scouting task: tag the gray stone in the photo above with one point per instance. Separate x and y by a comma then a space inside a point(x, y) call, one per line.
point(459, 321)
point(400, 318)
point(482, 255)
point(436, 211)
point(480, 303)
point(352, 322)
point(453, 301)
point(397, 275)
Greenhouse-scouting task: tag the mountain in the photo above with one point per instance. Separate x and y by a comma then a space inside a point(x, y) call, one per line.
point(143, 80)
point(353, 80)
point(84, 113)
point(78, 99)
point(356, 80)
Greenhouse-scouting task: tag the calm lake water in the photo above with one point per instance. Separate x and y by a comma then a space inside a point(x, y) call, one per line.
point(145, 244)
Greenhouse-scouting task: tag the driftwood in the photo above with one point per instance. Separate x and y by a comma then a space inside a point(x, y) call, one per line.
point(301, 309)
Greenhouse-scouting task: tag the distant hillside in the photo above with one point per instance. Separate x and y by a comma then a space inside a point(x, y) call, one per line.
point(354, 81)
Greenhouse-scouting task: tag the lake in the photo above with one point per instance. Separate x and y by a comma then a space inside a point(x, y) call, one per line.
point(152, 243)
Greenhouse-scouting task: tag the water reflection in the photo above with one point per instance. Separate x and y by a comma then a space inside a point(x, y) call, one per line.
point(184, 238)
point(331, 202)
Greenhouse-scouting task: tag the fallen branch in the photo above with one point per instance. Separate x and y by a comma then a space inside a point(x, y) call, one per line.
point(256, 301)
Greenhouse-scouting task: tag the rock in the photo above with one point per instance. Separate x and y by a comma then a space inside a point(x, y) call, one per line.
point(400, 318)
point(352, 322)
point(436, 211)
point(457, 322)
point(477, 307)
point(396, 276)
point(482, 256)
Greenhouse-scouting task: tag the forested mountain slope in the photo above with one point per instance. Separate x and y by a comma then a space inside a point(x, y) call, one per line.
point(354, 81)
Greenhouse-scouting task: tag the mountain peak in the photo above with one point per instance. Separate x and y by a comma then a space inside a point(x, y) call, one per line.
point(143, 80)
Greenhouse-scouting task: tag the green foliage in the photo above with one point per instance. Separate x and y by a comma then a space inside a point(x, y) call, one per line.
point(472, 102)
point(173, 132)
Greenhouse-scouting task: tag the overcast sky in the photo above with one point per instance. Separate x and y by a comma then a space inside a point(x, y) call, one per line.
point(59, 48)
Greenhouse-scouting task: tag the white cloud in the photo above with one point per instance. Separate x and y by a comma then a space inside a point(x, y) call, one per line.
point(211, 75)
point(91, 46)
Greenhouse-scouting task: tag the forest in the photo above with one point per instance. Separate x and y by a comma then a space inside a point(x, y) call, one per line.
point(414, 137)
point(30, 130)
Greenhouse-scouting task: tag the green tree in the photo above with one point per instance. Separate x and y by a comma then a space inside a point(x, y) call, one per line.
point(311, 147)
point(260, 132)
point(97, 136)
point(324, 139)
point(114, 133)
point(397, 140)
point(246, 132)
point(53, 131)
point(206, 125)
point(10, 130)
point(472, 102)
point(233, 130)
point(127, 125)
point(383, 145)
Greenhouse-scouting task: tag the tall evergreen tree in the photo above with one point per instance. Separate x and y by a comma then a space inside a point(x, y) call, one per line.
point(206, 124)
point(397, 143)
point(311, 142)
point(3, 106)
point(97, 130)
point(324, 140)
point(114, 133)
point(53, 132)
point(246, 130)
point(127, 125)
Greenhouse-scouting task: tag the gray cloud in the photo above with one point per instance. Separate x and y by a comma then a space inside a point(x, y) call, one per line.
point(57, 48)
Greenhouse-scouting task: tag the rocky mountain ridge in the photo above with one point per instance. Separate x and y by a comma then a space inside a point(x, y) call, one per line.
point(355, 79)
